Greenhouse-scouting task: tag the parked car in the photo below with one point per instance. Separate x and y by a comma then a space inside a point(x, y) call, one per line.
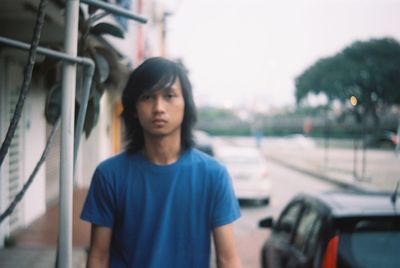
point(382, 139)
point(335, 229)
point(203, 141)
point(247, 167)
point(300, 141)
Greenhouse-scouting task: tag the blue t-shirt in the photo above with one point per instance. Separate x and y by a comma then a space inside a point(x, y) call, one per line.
point(161, 215)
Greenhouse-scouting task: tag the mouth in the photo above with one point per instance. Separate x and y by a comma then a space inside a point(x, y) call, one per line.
point(159, 122)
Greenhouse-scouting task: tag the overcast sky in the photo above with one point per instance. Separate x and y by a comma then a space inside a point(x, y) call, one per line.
point(248, 52)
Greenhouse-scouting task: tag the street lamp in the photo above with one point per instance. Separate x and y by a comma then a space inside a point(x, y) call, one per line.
point(324, 101)
point(354, 101)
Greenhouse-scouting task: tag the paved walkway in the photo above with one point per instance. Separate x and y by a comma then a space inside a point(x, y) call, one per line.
point(36, 245)
point(372, 170)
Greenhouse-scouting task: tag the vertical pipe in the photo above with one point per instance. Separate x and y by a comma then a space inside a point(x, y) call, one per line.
point(67, 135)
point(88, 72)
point(355, 149)
point(397, 149)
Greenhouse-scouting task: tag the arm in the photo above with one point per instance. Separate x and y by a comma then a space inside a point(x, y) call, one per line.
point(99, 251)
point(225, 248)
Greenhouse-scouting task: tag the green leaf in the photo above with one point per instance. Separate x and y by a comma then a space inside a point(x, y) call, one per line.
point(92, 9)
point(106, 28)
point(92, 114)
point(53, 104)
point(102, 66)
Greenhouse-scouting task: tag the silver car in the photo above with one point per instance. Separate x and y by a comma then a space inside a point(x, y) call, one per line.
point(247, 167)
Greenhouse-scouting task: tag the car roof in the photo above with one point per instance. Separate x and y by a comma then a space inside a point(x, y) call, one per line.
point(201, 137)
point(243, 151)
point(357, 203)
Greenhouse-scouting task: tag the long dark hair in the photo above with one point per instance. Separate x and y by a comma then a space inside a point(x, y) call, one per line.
point(153, 74)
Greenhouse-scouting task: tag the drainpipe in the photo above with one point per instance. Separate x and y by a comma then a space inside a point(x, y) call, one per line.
point(67, 135)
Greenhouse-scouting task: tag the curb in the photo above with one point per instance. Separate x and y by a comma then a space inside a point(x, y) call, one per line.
point(317, 175)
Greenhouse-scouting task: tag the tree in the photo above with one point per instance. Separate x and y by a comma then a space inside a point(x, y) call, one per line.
point(368, 70)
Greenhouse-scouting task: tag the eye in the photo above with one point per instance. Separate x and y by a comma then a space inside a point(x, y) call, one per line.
point(145, 97)
point(170, 95)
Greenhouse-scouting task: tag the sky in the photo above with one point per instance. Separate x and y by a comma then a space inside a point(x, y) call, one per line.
point(247, 53)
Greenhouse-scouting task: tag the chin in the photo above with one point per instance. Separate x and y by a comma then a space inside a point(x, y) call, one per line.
point(161, 133)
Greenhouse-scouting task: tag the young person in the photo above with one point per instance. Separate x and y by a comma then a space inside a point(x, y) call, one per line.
point(157, 203)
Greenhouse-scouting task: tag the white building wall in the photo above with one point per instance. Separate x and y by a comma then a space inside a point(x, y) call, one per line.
point(98, 146)
point(3, 168)
point(30, 142)
point(34, 135)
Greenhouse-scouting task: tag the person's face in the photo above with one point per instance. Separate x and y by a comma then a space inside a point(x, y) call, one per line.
point(161, 112)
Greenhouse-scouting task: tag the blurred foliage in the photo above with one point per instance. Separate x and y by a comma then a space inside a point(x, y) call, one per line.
point(107, 73)
point(368, 70)
point(212, 113)
point(106, 28)
point(305, 111)
point(53, 104)
point(219, 121)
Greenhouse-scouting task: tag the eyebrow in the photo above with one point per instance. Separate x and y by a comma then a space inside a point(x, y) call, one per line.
point(172, 87)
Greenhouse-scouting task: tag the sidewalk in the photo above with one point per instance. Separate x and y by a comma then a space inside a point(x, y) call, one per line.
point(342, 166)
point(36, 245)
point(381, 172)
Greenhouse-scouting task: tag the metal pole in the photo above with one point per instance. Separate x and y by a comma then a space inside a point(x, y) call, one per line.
point(397, 149)
point(47, 52)
point(88, 70)
point(115, 10)
point(326, 138)
point(67, 135)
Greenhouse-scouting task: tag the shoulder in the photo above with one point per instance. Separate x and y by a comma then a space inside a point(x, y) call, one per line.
point(205, 162)
point(113, 166)
point(116, 161)
point(199, 157)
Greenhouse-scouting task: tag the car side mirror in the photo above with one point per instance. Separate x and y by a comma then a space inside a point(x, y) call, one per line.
point(266, 223)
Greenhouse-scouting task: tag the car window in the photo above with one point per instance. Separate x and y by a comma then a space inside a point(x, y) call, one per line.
point(234, 159)
point(288, 220)
point(370, 244)
point(314, 236)
point(305, 237)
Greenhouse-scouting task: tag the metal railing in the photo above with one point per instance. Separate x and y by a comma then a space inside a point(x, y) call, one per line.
point(69, 138)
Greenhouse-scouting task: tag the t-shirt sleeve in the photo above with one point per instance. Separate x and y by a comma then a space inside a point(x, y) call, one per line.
point(99, 207)
point(226, 206)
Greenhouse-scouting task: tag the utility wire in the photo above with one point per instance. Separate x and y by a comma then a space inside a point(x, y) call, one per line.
point(21, 193)
point(26, 82)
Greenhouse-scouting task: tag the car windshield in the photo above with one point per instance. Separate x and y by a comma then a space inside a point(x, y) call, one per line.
point(241, 160)
point(370, 246)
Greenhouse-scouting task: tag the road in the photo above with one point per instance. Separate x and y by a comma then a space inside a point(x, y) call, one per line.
point(285, 184)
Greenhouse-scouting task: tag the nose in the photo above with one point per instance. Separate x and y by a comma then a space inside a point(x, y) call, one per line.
point(159, 105)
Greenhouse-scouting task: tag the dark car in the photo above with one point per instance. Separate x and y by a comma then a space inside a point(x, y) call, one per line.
point(335, 229)
point(382, 139)
point(203, 142)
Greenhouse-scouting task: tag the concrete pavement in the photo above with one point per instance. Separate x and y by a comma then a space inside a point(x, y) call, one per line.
point(37, 257)
point(372, 170)
point(35, 246)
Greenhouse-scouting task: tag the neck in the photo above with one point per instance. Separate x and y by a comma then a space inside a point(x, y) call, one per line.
point(162, 151)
